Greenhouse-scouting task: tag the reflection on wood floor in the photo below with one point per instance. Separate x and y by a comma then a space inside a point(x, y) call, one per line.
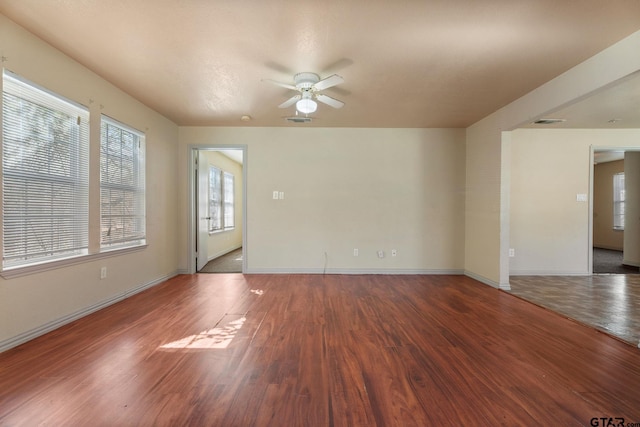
point(610, 303)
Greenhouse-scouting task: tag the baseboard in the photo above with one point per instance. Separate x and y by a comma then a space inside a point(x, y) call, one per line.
point(222, 253)
point(55, 324)
point(609, 248)
point(352, 271)
point(548, 273)
point(486, 281)
point(630, 263)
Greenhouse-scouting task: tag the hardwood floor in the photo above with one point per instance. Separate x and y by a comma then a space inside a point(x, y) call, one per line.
point(609, 302)
point(313, 350)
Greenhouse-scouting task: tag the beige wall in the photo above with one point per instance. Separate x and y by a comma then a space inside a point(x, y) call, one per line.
point(604, 236)
point(31, 304)
point(220, 243)
point(549, 168)
point(487, 221)
point(371, 189)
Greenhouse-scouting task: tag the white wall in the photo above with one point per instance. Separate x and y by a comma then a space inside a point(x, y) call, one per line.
point(371, 189)
point(549, 227)
point(31, 304)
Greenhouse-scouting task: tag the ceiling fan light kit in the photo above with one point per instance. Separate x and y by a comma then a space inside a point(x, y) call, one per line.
point(306, 105)
point(309, 85)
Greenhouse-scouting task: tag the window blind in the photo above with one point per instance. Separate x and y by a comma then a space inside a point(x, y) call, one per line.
point(45, 151)
point(122, 185)
point(229, 213)
point(215, 199)
point(618, 201)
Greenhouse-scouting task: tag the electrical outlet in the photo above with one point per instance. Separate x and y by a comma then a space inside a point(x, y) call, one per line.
point(394, 252)
point(275, 195)
point(103, 273)
point(355, 252)
point(512, 252)
point(380, 254)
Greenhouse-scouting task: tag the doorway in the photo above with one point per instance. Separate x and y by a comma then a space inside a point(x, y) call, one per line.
point(218, 213)
point(612, 244)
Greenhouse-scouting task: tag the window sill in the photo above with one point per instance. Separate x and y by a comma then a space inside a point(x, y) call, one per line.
point(52, 265)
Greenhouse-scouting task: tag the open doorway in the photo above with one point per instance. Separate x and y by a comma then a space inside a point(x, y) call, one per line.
point(614, 229)
point(218, 209)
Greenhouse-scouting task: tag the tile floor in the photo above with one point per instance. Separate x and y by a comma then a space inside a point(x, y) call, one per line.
point(610, 303)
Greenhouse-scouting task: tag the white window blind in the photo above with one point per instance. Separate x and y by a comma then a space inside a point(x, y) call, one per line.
point(229, 212)
point(45, 149)
point(618, 201)
point(221, 200)
point(122, 185)
point(215, 199)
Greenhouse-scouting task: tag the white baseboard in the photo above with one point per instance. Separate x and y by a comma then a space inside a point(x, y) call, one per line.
point(55, 324)
point(548, 273)
point(486, 281)
point(352, 271)
point(221, 253)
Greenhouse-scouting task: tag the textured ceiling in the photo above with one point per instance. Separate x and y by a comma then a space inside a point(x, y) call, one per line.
point(407, 63)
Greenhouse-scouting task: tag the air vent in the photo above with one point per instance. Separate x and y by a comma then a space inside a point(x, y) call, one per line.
point(298, 119)
point(548, 121)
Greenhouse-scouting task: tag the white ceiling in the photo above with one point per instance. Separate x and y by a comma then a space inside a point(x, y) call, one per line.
point(410, 63)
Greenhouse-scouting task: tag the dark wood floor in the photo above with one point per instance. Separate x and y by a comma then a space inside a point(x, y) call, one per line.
point(313, 350)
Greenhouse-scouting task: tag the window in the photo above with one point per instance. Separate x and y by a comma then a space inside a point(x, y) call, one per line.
point(221, 200)
point(229, 212)
point(45, 149)
point(215, 199)
point(122, 186)
point(618, 201)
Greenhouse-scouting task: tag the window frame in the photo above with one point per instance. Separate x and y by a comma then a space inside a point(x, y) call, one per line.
point(618, 201)
point(94, 249)
point(136, 187)
point(71, 171)
point(217, 203)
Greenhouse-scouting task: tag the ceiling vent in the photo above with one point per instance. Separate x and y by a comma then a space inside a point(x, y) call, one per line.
point(298, 119)
point(548, 121)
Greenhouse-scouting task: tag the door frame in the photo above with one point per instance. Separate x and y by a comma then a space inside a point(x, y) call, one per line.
point(193, 209)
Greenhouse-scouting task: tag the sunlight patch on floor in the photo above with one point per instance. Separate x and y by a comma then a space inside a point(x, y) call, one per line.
point(215, 338)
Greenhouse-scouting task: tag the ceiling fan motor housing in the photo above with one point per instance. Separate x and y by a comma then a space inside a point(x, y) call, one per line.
point(305, 81)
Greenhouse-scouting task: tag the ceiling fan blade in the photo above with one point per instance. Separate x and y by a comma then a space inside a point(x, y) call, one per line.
point(288, 86)
point(332, 102)
point(290, 101)
point(328, 82)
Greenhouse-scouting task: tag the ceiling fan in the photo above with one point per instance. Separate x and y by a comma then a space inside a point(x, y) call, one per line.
point(309, 85)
